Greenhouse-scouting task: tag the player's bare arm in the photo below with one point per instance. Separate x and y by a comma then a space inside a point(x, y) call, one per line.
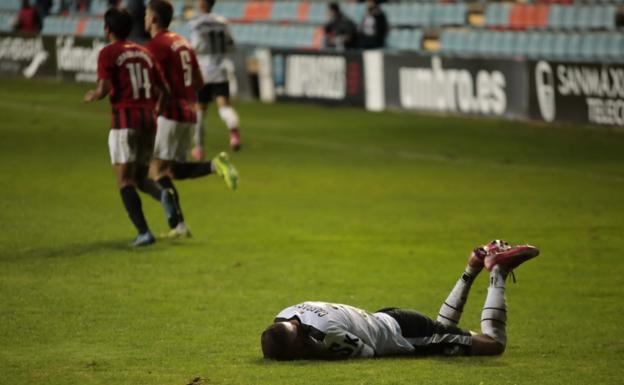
point(101, 91)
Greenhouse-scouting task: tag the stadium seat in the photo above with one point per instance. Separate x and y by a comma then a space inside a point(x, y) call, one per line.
point(568, 17)
point(317, 13)
point(232, 10)
point(573, 50)
point(555, 17)
point(497, 14)
point(257, 10)
point(616, 46)
point(284, 10)
point(354, 11)
point(559, 45)
point(584, 17)
point(98, 7)
point(518, 16)
point(516, 43)
point(10, 5)
point(6, 20)
point(588, 46)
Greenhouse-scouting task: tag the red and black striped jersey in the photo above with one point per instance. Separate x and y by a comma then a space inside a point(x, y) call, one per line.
point(133, 73)
point(179, 63)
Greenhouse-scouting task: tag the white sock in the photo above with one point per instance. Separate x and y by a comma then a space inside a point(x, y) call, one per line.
point(229, 117)
point(494, 314)
point(198, 134)
point(452, 308)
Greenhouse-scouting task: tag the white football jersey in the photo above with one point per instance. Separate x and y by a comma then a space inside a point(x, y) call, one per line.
point(211, 39)
point(346, 331)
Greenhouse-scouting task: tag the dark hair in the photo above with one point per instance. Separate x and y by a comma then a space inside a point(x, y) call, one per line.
point(210, 3)
point(334, 7)
point(276, 342)
point(163, 11)
point(118, 22)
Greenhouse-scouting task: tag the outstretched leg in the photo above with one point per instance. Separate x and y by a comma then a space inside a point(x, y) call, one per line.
point(453, 306)
point(493, 339)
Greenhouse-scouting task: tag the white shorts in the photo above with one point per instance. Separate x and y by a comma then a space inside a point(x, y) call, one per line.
point(173, 139)
point(127, 145)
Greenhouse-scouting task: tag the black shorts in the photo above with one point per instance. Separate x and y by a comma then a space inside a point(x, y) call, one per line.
point(429, 336)
point(211, 90)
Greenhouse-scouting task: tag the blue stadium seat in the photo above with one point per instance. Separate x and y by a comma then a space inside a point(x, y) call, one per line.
point(584, 17)
point(355, 11)
point(589, 46)
point(616, 46)
point(317, 13)
point(497, 14)
point(230, 10)
point(94, 27)
point(521, 46)
point(602, 46)
point(6, 20)
point(560, 44)
point(10, 5)
point(98, 7)
point(284, 10)
point(422, 14)
point(573, 51)
point(555, 16)
point(568, 17)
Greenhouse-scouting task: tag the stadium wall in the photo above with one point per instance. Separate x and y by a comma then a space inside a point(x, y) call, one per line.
point(586, 93)
point(72, 58)
point(549, 91)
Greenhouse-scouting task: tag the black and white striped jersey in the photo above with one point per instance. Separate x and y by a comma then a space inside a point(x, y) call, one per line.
point(346, 331)
point(211, 39)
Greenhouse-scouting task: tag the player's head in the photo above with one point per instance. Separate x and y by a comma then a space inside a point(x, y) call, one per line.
point(117, 22)
point(206, 5)
point(370, 4)
point(158, 12)
point(282, 341)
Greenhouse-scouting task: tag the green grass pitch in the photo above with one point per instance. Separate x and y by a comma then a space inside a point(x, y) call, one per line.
point(334, 204)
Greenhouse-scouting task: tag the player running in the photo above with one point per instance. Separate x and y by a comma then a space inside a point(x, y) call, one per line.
point(128, 73)
point(320, 330)
point(211, 39)
point(177, 119)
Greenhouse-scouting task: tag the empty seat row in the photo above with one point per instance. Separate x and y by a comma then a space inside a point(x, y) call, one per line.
point(526, 16)
point(292, 36)
point(600, 46)
point(405, 39)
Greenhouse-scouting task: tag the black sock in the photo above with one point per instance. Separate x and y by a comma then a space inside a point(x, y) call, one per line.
point(132, 202)
point(191, 170)
point(166, 183)
point(150, 187)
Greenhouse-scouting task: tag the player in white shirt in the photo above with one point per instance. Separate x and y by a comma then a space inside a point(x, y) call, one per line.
point(321, 330)
point(211, 39)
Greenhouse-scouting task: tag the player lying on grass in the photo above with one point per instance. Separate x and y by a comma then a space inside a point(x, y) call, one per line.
point(129, 74)
point(177, 119)
point(320, 330)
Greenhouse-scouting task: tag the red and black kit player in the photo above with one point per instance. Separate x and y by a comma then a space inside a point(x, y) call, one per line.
point(137, 89)
point(177, 119)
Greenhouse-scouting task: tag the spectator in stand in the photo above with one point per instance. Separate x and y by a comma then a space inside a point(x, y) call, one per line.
point(374, 27)
point(116, 4)
point(340, 31)
point(43, 6)
point(28, 19)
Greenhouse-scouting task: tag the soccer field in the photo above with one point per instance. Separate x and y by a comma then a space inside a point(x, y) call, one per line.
point(334, 204)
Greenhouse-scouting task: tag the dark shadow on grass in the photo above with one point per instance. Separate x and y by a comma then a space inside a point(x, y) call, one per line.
point(482, 361)
point(84, 248)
